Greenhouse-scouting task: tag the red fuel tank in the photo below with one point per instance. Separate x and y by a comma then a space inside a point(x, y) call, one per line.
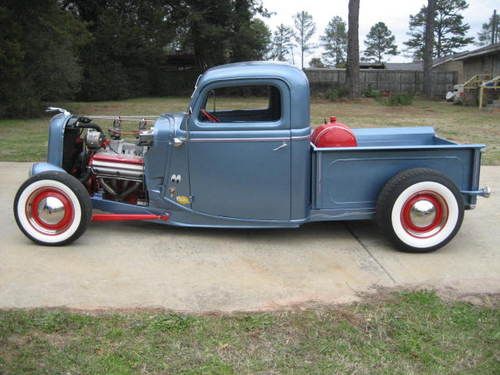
point(333, 134)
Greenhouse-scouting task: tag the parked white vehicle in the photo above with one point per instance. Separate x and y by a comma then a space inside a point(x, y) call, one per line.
point(456, 95)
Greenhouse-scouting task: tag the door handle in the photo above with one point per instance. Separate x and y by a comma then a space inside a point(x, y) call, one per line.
point(283, 145)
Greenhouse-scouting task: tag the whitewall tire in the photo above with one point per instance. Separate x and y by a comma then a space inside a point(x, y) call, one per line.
point(52, 208)
point(420, 210)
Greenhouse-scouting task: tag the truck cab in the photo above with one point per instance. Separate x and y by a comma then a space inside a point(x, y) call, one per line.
point(251, 163)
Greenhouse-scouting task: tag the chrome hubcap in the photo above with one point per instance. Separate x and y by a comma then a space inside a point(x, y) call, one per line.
point(423, 213)
point(51, 210)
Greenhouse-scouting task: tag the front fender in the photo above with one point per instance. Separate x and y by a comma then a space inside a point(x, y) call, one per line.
point(38, 168)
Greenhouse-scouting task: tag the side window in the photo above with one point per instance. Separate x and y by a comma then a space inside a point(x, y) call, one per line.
point(236, 104)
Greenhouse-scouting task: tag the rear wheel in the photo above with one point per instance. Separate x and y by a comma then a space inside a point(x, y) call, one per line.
point(52, 208)
point(420, 210)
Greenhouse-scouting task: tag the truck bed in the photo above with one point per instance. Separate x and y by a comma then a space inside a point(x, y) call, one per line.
point(346, 181)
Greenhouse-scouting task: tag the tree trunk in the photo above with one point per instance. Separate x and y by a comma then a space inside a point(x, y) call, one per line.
point(352, 71)
point(428, 47)
point(494, 27)
point(302, 57)
point(439, 44)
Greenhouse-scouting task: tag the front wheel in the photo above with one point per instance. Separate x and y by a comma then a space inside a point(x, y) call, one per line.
point(52, 208)
point(420, 210)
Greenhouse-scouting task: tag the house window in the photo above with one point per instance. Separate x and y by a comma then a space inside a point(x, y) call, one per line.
point(241, 104)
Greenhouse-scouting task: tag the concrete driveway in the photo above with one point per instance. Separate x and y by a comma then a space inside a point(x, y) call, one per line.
point(129, 265)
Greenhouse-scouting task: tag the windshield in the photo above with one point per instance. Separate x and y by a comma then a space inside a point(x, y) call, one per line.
point(196, 86)
point(189, 109)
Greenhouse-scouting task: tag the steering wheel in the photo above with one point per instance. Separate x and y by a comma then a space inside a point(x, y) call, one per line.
point(210, 117)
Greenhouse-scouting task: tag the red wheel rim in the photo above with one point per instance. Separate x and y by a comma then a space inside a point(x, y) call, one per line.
point(424, 214)
point(49, 211)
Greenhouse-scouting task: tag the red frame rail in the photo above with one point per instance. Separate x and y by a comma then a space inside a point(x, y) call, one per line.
point(128, 217)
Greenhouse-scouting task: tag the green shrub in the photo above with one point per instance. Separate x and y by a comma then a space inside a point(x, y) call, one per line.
point(372, 93)
point(38, 56)
point(396, 99)
point(337, 93)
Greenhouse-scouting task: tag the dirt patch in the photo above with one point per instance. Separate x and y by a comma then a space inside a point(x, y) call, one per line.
point(380, 295)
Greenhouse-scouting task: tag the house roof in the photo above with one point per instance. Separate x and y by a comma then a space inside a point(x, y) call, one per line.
point(492, 48)
point(418, 65)
point(445, 59)
point(369, 65)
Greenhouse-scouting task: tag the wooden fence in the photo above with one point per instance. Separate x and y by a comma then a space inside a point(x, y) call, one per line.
point(321, 80)
point(395, 81)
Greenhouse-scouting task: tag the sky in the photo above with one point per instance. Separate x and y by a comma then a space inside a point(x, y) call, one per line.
point(395, 14)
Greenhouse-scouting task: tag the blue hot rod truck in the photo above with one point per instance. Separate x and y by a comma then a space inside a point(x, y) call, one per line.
point(248, 168)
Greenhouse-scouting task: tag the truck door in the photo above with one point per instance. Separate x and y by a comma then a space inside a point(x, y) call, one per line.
point(239, 150)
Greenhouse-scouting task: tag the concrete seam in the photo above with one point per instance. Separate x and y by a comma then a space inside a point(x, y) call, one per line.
point(356, 237)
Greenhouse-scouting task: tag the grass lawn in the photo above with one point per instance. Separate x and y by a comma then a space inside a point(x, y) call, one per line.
point(404, 333)
point(26, 140)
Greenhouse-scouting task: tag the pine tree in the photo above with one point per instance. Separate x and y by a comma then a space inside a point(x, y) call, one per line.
point(282, 43)
point(126, 46)
point(316, 62)
point(39, 45)
point(304, 30)
point(490, 31)
point(335, 42)
point(449, 29)
point(380, 42)
point(250, 37)
point(251, 42)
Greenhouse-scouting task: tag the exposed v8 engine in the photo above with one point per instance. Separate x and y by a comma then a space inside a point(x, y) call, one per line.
point(106, 164)
point(113, 168)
